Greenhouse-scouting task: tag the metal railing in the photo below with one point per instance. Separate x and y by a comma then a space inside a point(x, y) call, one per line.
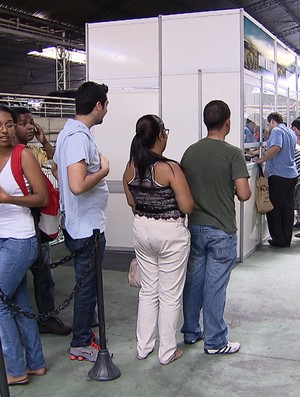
point(40, 106)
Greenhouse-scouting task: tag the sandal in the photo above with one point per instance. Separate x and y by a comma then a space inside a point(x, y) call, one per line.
point(17, 380)
point(175, 356)
point(37, 372)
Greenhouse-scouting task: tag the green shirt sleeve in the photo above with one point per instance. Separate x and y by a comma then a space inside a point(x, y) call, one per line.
point(238, 166)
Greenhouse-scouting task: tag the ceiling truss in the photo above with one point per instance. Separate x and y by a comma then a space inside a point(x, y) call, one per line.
point(33, 24)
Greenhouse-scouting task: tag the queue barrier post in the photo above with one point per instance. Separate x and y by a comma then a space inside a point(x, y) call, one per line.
point(103, 369)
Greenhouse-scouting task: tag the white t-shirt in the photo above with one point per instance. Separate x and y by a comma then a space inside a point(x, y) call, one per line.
point(15, 221)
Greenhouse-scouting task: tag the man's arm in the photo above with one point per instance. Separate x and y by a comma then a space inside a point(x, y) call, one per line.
point(54, 169)
point(242, 189)
point(41, 137)
point(269, 154)
point(81, 182)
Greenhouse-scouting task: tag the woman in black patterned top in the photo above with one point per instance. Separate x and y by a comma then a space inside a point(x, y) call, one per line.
point(159, 195)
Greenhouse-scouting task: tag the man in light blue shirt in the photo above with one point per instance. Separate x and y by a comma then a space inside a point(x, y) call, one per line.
point(81, 172)
point(282, 176)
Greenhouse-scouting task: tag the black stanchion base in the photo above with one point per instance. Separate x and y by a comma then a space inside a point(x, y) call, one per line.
point(104, 368)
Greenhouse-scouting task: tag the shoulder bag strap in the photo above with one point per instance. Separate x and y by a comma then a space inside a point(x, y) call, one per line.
point(260, 171)
point(16, 169)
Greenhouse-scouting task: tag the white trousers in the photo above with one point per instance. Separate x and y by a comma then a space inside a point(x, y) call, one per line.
point(162, 248)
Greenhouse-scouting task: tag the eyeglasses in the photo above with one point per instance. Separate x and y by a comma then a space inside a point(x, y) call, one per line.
point(166, 131)
point(7, 126)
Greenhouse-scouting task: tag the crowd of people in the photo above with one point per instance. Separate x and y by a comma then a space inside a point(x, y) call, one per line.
point(184, 227)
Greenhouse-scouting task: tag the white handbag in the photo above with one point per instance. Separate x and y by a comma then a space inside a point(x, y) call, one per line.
point(134, 277)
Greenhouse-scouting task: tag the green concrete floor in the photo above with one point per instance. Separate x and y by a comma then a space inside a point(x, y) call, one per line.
point(263, 314)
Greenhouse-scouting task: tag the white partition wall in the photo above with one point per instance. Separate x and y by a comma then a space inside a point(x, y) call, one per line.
point(197, 67)
point(123, 55)
point(173, 66)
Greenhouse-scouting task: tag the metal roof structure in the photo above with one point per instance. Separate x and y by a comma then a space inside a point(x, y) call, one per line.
point(32, 24)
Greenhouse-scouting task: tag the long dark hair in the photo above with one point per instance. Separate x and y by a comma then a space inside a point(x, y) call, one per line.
point(148, 128)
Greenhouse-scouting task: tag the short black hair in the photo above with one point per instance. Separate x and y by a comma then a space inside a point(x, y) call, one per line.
point(296, 123)
point(87, 96)
point(215, 114)
point(21, 110)
point(276, 117)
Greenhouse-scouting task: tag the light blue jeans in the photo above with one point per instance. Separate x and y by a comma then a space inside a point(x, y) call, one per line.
point(17, 331)
point(212, 257)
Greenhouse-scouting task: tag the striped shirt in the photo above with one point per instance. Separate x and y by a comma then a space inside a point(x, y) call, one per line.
point(297, 161)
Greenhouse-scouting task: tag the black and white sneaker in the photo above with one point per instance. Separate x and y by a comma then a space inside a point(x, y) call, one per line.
point(230, 348)
point(192, 341)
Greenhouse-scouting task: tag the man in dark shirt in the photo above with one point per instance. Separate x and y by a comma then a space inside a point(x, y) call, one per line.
point(216, 172)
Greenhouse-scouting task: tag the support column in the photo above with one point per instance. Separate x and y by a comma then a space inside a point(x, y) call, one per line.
point(62, 68)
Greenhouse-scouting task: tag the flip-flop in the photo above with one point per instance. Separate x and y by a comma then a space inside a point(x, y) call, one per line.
point(17, 380)
point(37, 372)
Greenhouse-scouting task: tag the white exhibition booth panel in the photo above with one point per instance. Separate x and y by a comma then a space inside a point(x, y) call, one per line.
point(171, 66)
point(122, 50)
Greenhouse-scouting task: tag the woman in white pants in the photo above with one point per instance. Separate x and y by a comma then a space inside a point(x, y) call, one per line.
point(159, 195)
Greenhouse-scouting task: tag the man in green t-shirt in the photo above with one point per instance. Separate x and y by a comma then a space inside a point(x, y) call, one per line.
point(216, 171)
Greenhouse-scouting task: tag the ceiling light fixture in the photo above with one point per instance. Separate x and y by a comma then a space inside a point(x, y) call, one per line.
point(50, 53)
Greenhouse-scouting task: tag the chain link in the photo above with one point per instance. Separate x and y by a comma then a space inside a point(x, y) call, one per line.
point(40, 316)
point(66, 259)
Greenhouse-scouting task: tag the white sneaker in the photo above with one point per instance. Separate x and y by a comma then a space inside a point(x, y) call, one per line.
point(230, 348)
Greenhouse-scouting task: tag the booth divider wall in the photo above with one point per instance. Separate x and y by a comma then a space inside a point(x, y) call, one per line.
point(171, 66)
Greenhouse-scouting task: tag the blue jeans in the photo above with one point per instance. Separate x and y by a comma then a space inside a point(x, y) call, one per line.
point(17, 331)
point(85, 298)
point(44, 286)
point(212, 257)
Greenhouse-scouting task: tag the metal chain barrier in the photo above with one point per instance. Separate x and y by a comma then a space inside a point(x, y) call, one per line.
point(66, 259)
point(39, 316)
